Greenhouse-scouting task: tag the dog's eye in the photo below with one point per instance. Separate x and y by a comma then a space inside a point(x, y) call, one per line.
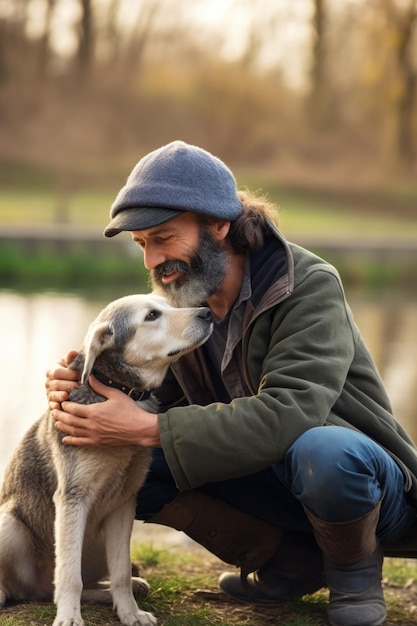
point(153, 315)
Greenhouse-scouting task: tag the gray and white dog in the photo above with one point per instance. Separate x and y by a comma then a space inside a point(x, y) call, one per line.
point(51, 551)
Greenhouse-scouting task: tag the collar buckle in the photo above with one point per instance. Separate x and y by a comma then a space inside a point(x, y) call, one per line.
point(135, 393)
point(138, 394)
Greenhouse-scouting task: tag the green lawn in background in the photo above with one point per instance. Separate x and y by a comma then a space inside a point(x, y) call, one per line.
point(44, 206)
point(306, 216)
point(301, 212)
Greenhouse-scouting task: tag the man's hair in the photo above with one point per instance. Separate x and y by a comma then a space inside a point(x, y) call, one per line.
point(248, 231)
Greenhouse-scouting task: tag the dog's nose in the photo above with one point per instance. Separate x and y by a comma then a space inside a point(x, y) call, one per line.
point(205, 314)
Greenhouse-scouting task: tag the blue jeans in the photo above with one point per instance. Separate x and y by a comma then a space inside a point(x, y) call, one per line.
point(337, 473)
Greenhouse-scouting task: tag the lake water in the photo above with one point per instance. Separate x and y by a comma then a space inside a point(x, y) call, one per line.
point(37, 330)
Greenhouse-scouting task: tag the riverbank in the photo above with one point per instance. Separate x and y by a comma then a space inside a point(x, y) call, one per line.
point(76, 259)
point(67, 237)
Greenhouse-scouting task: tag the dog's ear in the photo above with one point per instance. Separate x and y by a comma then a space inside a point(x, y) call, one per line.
point(99, 338)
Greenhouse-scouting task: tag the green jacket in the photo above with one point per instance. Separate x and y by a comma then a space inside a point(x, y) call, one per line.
point(306, 365)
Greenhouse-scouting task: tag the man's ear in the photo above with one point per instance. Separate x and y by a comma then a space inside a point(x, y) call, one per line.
point(220, 229)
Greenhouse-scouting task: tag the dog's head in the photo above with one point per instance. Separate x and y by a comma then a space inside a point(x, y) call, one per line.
point(143, 334)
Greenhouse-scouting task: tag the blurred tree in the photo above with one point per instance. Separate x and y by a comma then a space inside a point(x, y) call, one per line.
point(44, 47)
point(86, 38)
point(13, 45)
point(318, 70)
point(402, 17)
point(311, 84)
point(261, 28)
point(111, 33)
point(140, 34)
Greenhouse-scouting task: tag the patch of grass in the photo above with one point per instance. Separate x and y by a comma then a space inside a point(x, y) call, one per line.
point(175, 599)
point(373, 277)
point(303, 211)
point(46, 206)
point(12, 621)
point(298, 218)
point(73, 271)
point(78, 266)
point(340, 212)
point(80, 270)
point(400, 571)
point(17, 175)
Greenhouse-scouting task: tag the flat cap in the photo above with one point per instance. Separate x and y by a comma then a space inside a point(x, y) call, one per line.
point(175, 178)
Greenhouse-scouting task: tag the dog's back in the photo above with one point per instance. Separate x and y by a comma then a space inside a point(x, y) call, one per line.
point(27, 519)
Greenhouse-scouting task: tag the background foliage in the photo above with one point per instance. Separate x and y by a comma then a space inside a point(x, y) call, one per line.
point(315, 92)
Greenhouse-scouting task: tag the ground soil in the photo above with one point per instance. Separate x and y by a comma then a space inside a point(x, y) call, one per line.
point(401, 602)
point(401, 598)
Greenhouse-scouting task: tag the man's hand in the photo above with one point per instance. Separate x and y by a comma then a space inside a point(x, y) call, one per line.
point(60, 381)
point(118, 421)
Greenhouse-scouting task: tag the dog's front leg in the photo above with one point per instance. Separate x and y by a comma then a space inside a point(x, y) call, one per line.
point(118, 529)
point(70, 521)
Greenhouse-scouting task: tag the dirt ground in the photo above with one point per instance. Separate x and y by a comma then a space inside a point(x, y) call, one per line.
point(401, 603)
point(401, 598)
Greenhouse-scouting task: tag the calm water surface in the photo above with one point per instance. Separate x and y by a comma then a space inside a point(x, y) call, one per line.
point(37, 330)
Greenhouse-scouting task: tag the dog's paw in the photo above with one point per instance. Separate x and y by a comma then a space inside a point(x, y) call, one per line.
point(68, 621)
point(140, 587)
point(139, 618)
point(146, 619)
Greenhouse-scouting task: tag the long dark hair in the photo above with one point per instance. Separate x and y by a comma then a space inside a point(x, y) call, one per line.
point(248, 231)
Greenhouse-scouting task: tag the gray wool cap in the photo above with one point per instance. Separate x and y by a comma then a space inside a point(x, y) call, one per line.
point(167, 182)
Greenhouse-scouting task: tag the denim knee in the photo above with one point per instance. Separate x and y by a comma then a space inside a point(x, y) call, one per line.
point(339, 473)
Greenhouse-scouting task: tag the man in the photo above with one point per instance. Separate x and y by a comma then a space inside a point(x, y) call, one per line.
point(275, 445)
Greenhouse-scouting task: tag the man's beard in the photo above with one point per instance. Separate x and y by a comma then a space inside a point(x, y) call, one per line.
point(200, 278)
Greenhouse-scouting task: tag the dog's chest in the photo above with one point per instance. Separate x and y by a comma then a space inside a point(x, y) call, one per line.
point(104, 478)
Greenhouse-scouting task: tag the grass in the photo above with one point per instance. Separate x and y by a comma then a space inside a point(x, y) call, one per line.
point(85, 272)
point(31, 198)
point(342, 212)
point(300, 219)
point(75, 271)
point(43, 206)
point(184, 593)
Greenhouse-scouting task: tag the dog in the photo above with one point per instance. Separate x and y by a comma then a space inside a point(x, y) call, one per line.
point(66, 512)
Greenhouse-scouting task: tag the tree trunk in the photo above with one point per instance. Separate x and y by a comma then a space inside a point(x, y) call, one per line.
point(318, 80)
point(86, 38)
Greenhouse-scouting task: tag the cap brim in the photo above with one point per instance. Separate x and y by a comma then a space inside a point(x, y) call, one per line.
point(139, 218)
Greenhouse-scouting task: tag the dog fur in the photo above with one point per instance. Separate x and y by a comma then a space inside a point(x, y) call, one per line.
point(53, 551)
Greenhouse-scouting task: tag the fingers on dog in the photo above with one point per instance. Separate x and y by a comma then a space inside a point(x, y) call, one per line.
point(68, 358)
point(55, 398)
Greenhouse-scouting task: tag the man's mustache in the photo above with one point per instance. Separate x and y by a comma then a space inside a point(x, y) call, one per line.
point(169, 267)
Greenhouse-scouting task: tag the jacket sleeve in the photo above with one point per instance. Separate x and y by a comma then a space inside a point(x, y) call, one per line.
point(298, 357)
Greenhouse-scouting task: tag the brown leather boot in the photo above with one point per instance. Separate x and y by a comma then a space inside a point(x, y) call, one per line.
point(232, 535)
point(295, 570)
point(286, 565)
point(353, 566)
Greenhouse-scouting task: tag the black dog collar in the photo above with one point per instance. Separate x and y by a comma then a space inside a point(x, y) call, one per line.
point(135, 393)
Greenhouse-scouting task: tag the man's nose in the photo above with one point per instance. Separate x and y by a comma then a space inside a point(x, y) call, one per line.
point(152, 257)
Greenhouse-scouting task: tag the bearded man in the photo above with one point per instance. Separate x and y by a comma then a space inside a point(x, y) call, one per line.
point(275, 444)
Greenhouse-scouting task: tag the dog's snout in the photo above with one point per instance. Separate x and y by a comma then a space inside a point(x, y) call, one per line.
point(205, 314)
